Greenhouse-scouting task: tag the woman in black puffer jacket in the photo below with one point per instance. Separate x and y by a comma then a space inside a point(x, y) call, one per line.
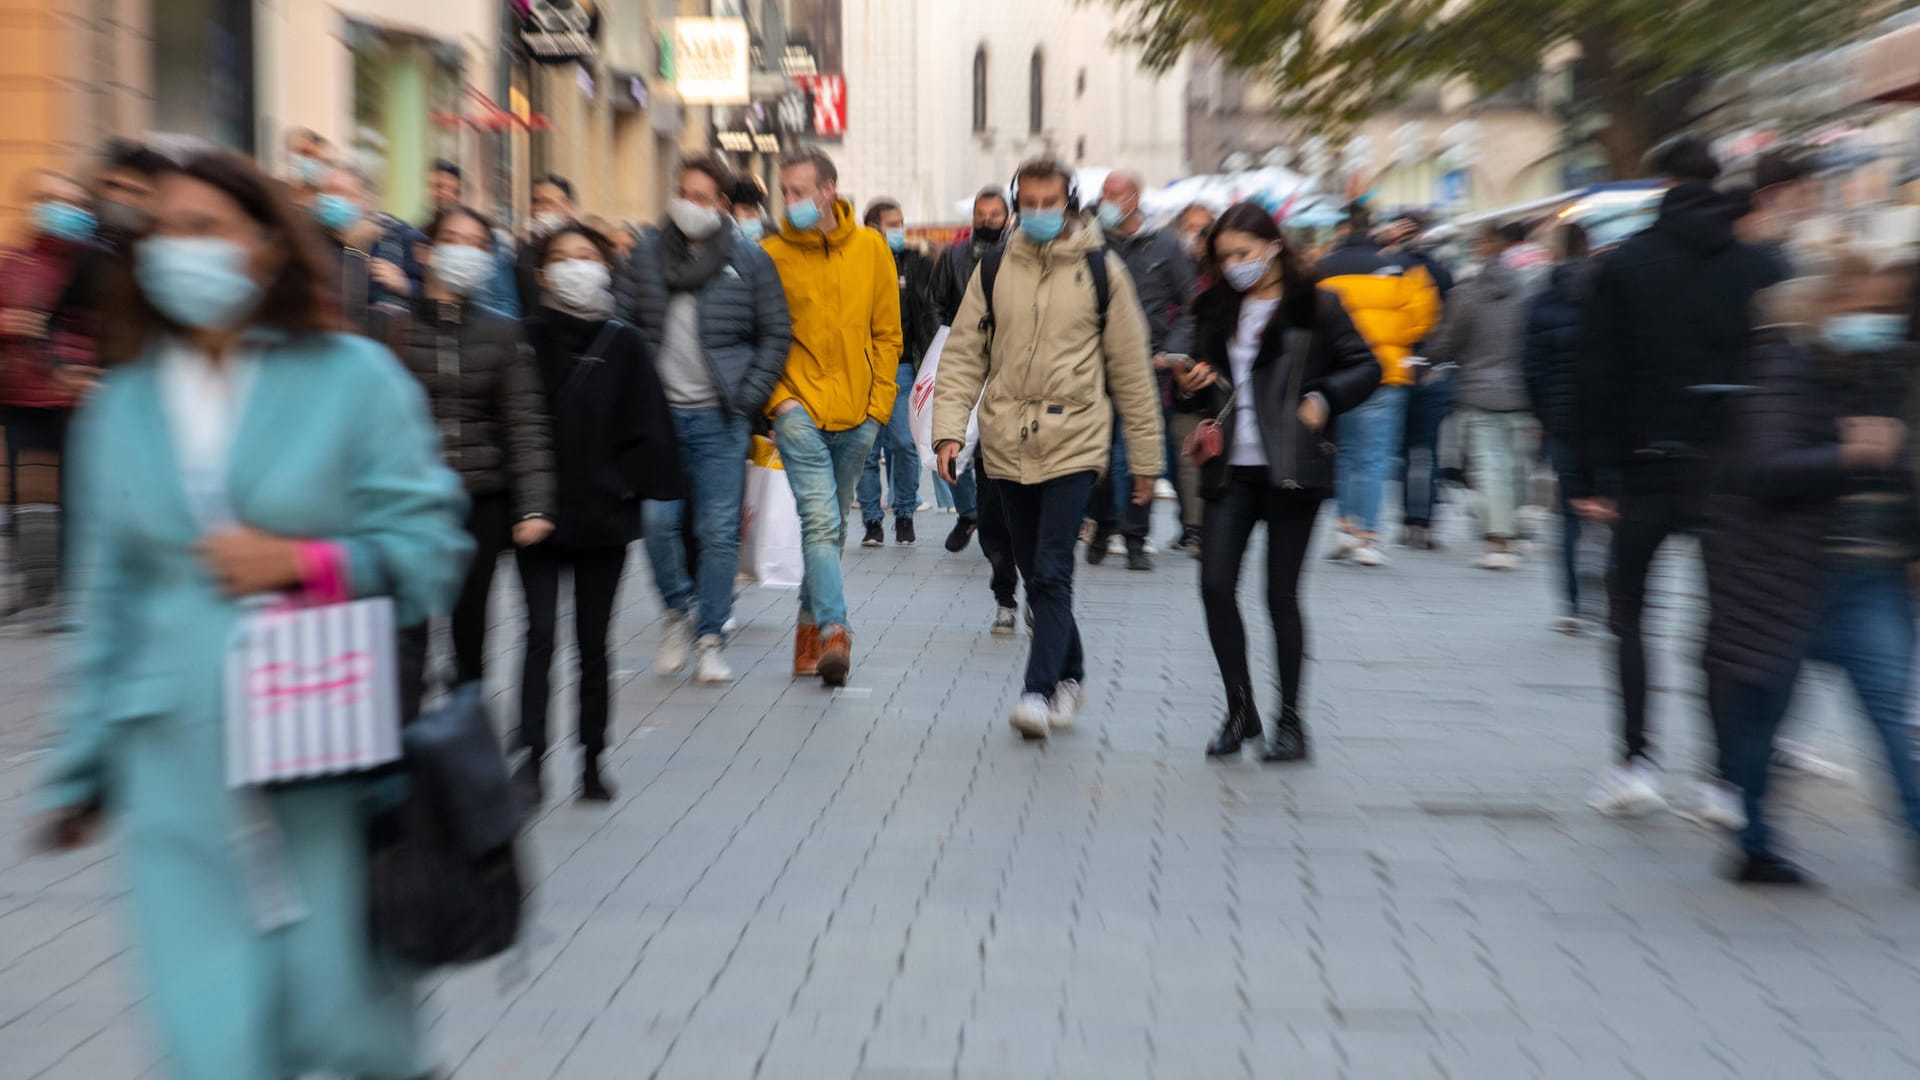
point(485, 395)
point(1277, 360)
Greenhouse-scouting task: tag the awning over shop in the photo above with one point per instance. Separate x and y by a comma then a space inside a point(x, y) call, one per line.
point(1890, 67)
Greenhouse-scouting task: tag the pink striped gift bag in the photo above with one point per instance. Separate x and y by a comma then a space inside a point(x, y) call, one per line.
point(312, 692)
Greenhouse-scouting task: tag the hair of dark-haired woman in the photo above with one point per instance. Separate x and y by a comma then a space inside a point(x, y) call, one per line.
point(1255, 221)
point(299, 300)
point(593, 236)
point(441, 218)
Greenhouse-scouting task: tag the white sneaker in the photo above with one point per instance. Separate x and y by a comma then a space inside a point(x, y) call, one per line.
point(1005, 621)
point(1791, 755)
point(1068, 699)
point(676, 638)
point(1367, 553)
point(1713, 805)
point(1163, 490)
point(1497, 560)
point(1117, 545)
point(709, 666)
point(1344, 545)
point(1030, 716)
point(1627, 791)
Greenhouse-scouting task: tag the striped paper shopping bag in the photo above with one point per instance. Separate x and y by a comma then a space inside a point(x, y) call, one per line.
point(312, 692)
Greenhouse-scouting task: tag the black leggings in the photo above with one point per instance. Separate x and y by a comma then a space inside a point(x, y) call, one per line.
point(596, 585)
point(1225, 531)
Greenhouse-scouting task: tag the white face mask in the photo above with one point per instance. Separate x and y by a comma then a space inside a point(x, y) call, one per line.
point(465, 270)
point(548, 221)
point(694, 221)
point(583, 287)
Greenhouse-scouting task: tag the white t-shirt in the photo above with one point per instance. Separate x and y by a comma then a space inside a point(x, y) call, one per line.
point(1241, 351)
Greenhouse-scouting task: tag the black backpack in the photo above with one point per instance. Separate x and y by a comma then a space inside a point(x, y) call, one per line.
point(990, 269)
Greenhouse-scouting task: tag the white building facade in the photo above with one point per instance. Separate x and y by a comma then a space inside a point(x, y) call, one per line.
point(945, 98)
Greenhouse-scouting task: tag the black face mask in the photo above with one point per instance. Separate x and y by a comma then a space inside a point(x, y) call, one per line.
point(988, 235)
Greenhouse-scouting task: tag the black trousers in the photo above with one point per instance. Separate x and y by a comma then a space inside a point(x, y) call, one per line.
point(995, 541)
point(596, 585)
point(1647, 520)
point(492, 531)
point(1044, 523)
point(1227, 528)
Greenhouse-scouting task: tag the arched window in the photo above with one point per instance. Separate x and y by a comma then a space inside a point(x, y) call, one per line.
point(980, 90)
point(1037, 93)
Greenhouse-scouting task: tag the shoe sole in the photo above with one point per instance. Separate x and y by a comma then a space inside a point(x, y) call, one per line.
point(1636, 809)
point(834, 672)
point(1003, 631)
point(712, 680)
point(904, 543)
point(1029, 730)
point(873, 543)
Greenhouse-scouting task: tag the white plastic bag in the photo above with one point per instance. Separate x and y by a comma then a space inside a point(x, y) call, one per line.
point(920, 408)
point(770, 523)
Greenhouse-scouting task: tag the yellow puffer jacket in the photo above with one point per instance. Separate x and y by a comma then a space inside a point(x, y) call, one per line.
point(844, 295)
point(1394, 306)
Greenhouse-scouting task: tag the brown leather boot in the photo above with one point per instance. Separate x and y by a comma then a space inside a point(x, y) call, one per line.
point(806, 651)
point(836, 655)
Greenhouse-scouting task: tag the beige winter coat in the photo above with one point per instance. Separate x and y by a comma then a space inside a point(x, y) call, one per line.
point(1052, 381)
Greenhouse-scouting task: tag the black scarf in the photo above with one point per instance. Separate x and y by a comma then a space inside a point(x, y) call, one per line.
point(687, 268)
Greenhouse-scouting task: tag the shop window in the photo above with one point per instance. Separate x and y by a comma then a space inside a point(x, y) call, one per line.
point(980, 90)
point(1037, 93)
point(400, 82)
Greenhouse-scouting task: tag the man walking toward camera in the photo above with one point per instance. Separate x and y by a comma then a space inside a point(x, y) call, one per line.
point(837, 390)
point(1052, 330)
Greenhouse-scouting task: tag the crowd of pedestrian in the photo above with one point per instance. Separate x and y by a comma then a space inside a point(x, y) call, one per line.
point(578, 387)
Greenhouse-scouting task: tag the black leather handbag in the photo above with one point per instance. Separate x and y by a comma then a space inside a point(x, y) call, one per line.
point(444, 877)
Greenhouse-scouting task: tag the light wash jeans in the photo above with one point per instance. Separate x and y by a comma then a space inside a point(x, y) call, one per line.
point(1496, 466)
point(713, 451)
point(823, 468)
point(1369, 443)
point(903, 462)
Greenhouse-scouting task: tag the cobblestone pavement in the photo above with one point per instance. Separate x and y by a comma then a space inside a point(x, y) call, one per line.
point(887, 883)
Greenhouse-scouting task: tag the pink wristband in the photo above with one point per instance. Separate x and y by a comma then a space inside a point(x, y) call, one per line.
point(322, 572)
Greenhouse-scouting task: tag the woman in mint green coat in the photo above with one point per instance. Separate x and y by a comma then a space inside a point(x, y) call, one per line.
point(238, 444)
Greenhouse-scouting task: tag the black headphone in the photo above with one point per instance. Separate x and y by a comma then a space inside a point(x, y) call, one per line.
point(1073, 189)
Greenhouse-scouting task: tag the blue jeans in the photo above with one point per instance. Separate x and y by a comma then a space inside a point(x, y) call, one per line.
point(1866, 630)
point(1043, 523)
point(713, 451)
point(903, 462)
point(1110, 503)
point(1369, 440)
point(1428, 406)
point(823, 467)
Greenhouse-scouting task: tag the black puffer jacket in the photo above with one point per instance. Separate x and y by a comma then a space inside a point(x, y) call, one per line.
point(613, 441)
point(1669, 312)
point(952, 274)
point(485, 393)
point(1555, 326)
point(1774, 502)
point(1338, 366)
point(745, 330)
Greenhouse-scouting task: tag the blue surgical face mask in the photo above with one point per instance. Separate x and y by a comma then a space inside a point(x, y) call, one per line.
point(1864, 332)
point(336, 214)
point(803, 215)
point(753, 229)
point(201, 283)
point(1043, 226)
point(464, 269)
point(1111, 216)
point(63, 221)
point(897, 239)
point(309, 171)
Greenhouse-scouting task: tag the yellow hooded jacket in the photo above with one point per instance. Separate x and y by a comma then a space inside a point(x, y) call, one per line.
point(844, 294)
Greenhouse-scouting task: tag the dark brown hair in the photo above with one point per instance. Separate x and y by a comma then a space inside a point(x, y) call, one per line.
point(299, 301)
point(713, 169)
point(876, 208)
point(594, 236)
point(458, 210)
point(1254, 220)
point(824, 171)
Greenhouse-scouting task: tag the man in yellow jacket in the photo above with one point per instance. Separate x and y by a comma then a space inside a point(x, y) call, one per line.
point(837, 391)
point(1394, 304)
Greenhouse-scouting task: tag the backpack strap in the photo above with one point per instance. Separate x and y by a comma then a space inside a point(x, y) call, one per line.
point(1102, 290)
point(989, 272)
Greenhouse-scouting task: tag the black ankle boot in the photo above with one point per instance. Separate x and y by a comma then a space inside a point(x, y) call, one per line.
point(1289, 742)
point(526, 783)
point(1242, 723)
point(593, 786)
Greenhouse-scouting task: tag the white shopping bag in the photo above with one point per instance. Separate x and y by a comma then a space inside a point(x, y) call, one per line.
point(920, 407)
point(770, 523)
point(312, 691)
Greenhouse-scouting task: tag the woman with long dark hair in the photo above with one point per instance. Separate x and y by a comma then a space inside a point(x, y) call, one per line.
point(240, 446)
point(1277, 360)
point(613, 446)
point(486, 399)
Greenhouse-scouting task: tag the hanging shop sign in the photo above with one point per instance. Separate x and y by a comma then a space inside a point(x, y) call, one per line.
point(829, 94)
point(711, 61)
point(559, 31)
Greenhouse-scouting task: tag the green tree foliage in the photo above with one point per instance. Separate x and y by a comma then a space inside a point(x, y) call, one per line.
point(1647, 64)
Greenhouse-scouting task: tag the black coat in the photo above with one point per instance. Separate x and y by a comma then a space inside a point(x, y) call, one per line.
point(1669, 311)
point(919, 315)
point(1163, 276)
point(951, 276)
point(1556, 325)
point(613, 441)
point(486, 398)
point(1339, 367)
